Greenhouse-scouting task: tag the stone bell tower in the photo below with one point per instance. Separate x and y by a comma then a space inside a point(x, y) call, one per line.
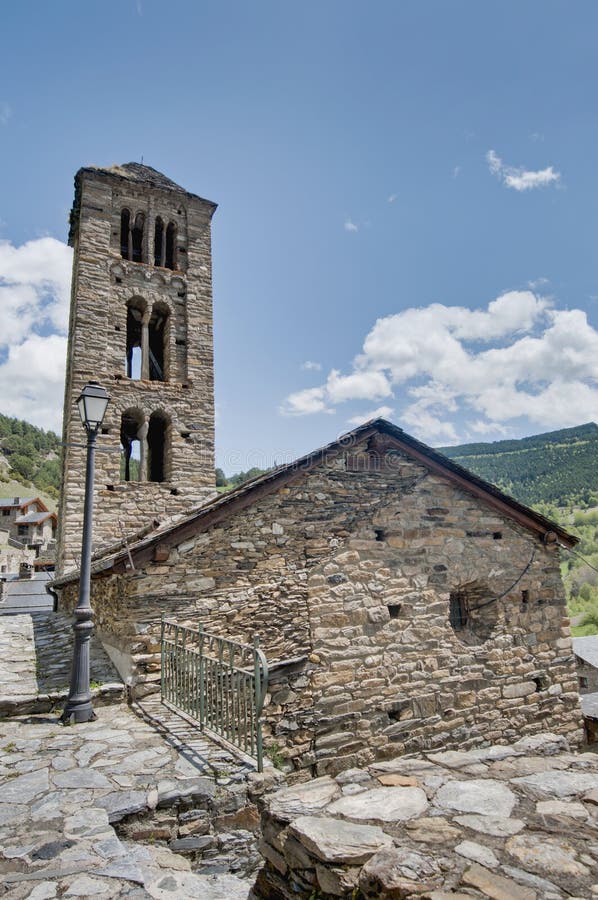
point(141, 325)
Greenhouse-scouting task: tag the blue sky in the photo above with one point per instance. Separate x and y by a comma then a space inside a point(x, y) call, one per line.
point(408, 201)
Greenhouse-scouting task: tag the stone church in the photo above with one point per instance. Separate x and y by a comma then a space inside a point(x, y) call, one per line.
point(403, 603)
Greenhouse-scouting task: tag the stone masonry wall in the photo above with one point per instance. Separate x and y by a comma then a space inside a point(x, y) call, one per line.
point(103, 283)
point(349, 572)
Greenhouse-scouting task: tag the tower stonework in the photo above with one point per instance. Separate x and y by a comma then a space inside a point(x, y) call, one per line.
point(141, 325)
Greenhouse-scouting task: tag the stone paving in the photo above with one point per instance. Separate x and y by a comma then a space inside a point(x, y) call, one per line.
point(515, 822)
point(35, 662)
point(68, 795)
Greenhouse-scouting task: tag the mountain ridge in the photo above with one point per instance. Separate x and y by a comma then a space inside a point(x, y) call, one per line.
point(557, 467)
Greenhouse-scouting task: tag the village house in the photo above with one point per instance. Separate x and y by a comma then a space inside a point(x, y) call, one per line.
point(401, 601)
point(26, 524)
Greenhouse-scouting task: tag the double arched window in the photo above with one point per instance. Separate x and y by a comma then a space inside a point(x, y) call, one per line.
point(145, 446)
point(131, 235)
point(132, 243)
point(147, 340)
point(165, 244)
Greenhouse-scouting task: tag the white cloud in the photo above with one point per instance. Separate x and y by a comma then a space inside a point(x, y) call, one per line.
point(451, 367)
point(350, 226)
point(359, 386)
point(5, 112)
point(518, 178)
point(392, 198)
point(32, 381)
point(301, 403)
point(34, 308)
point(456, 171)
point(311, 366)
point(382, 412)
point(480, 426)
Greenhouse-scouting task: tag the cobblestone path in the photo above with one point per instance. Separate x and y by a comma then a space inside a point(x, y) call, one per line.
point(63, 789)
point(35, 661)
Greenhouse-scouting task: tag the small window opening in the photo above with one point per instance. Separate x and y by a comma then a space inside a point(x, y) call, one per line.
point(473, 612)
point(525, 596)
point(157, 441)
point(175, 492)
point(125, 221)
point(497, 535)
point(158, 342)
point(170, 254)
point(159, 242)
point(118, 280)
point(181, 342)
point(110, 487)
point(105, 431)
point(181, 294)
point(394, 610)
point(583, 681)
point(458, 611)
point(380, 534)
point(541, 682)
point(137, 238)
point(131, 423)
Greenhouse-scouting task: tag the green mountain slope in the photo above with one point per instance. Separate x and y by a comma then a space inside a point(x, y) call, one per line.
point(29, 456)
point(560, 467)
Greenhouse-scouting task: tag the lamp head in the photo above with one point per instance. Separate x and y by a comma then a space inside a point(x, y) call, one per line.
point(92, 403)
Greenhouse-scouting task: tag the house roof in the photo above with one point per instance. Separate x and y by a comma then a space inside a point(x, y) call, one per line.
point(26, 594)
point(587, 649)
point(15, 502)
point(139, 547)
point(589, 705)
point(23, 503)
point(34, 518)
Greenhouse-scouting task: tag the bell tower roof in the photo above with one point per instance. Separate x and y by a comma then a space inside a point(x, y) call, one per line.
point(139, 172)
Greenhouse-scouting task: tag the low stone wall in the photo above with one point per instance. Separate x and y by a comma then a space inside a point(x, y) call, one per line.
point(508, 822)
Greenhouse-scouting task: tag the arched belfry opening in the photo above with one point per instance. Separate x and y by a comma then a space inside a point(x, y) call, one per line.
point(136, 314)
point(159, 242)
point(125, 233)
point(133, 431)
point(158, 339)
point(170, 248)
point(137, 238)
point(158, 442)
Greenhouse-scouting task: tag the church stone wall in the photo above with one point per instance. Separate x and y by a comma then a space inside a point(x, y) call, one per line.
point(103, 284)
point(350, 573)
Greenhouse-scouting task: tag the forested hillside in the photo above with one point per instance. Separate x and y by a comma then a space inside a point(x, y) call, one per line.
point(559, 467)
point(31, 456)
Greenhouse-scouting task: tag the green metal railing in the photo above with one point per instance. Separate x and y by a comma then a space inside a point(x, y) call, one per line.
point(220, 683)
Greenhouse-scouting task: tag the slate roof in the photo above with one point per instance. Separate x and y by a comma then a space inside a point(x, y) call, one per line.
point(140, 545)
point(589, 705)
point(141, 174)
point(26, 594)
point(33, 518)
point(6, 502)
point(587, 649)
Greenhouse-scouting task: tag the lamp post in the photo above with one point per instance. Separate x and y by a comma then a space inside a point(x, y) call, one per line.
point(92, 404)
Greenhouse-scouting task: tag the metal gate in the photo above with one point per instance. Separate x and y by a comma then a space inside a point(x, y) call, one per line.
point(220, 683)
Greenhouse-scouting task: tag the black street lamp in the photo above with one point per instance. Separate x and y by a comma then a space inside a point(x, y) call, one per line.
point(92, 404)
